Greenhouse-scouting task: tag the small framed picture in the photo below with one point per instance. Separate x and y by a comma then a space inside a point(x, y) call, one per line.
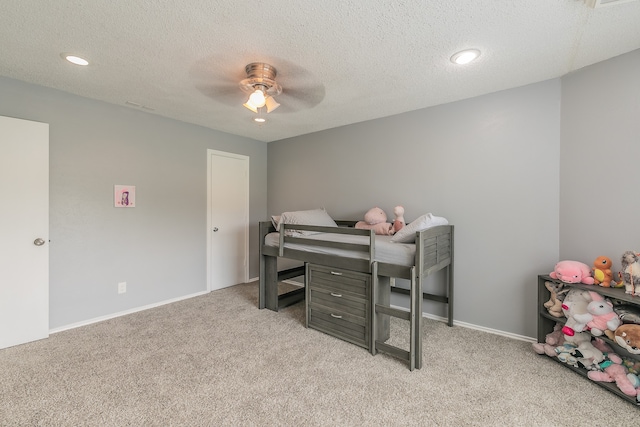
point(125, 196)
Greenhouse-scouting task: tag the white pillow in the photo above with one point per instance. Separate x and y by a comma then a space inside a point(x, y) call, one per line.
point(310, 217)
point(275, 220)
point(407, 234)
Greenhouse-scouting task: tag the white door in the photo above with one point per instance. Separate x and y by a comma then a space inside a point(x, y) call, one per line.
point(228, 225)
point(24, 231)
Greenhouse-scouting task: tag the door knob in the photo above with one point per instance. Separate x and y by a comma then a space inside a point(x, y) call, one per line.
point(38, 242)
point(215, 229)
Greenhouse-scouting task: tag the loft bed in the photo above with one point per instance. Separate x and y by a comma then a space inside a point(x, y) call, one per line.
point(349, 249)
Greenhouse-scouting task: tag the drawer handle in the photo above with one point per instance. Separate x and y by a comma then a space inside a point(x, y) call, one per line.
point(336, 316)
point(336, 295)
point(335, 273)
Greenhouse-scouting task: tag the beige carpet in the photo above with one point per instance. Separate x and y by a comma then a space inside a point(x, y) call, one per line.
point(217, 360)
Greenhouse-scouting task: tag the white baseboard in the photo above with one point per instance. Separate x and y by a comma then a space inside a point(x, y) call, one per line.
point(475, 327)
point(455, 322)
point(444, 320)
point(123, 313)
point(292, 282)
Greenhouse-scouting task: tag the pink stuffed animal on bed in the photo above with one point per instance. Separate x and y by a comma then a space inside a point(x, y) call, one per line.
point(375, 219)
point(572, 272)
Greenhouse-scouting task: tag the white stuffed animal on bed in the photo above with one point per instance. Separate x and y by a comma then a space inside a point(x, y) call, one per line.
point(398, 222)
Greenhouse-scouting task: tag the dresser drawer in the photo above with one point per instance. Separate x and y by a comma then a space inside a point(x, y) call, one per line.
point(339, 300)
point(348, 282)
point(338, 303)
point(343, 326)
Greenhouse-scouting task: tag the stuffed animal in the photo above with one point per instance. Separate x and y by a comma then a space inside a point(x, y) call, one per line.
point(587, 355)
point(556, 296)
point(574, 308)
point(627, 313)
point(398, 222)
point(568, 344)
point(572, 272)
point(552, 340)
point(602, 274)
point(563, 353)
point(375, 219)
point(611, 370)
point(631, 272)
point(627, 336)
point(604, 318)
point(635, 382)
point(632, 365)
point(578, 351)
point(619, 283)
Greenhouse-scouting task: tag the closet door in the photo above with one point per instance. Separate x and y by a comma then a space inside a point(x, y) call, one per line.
point(24, 231)
point(228, 219)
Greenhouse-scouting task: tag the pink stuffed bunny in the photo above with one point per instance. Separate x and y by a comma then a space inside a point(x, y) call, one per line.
point(375, 219)
point(604, 318)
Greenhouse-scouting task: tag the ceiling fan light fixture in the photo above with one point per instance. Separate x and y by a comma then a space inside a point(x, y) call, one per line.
point(465, 56)
point(271, 104)
point(261, 86)
point(257, 98)
point(250, 106)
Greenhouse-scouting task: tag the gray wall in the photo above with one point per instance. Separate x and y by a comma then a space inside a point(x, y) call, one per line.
point(489, 164)
point(600, 158)
point(526, 181)
point(158, 247)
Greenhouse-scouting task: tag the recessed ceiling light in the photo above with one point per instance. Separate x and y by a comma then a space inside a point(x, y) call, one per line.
point(75, 59)
point(259, 119)
point(465, 56)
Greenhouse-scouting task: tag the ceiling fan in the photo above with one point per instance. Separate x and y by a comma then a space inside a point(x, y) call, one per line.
point(261, 86)
point(220, 79)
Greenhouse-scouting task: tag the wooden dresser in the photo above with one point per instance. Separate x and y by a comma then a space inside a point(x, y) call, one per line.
point(338, 303)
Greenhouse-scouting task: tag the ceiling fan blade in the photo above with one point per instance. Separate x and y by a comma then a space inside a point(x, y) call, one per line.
point(293, 100)
point(224, 94)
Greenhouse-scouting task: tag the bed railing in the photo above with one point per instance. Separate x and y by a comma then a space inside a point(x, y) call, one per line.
point(366, 249)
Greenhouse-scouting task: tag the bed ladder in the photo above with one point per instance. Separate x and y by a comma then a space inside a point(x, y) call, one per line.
point(414, 316)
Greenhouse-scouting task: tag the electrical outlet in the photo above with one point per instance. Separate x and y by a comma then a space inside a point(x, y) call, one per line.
point(122, 287)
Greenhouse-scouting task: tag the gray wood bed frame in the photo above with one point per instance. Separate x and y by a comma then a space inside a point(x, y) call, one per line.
point(434, 252)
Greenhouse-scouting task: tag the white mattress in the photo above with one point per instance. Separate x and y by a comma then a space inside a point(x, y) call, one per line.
point(385, 250)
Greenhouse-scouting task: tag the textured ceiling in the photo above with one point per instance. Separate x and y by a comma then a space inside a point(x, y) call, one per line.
point(339, 61)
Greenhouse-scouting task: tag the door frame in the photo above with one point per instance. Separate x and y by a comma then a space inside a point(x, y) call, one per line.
point(210, 154)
